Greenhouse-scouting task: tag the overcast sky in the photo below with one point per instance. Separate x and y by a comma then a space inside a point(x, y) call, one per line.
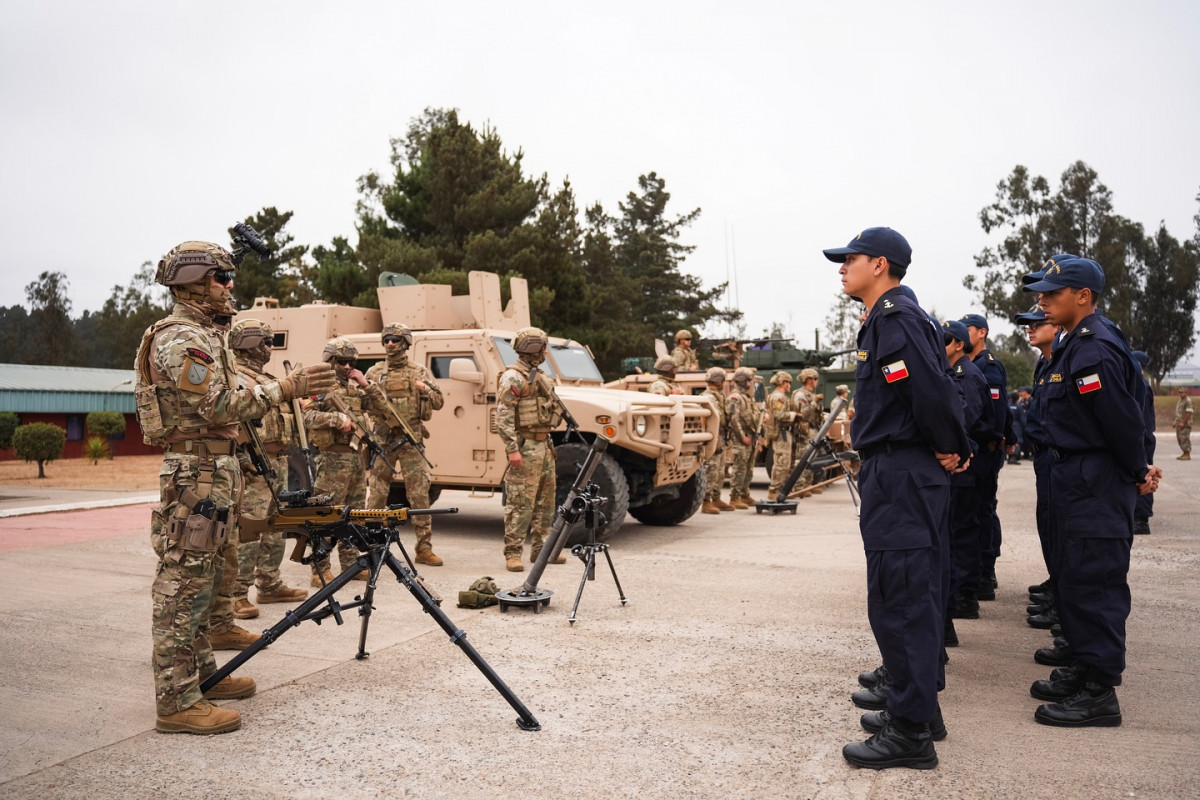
point(126, 127)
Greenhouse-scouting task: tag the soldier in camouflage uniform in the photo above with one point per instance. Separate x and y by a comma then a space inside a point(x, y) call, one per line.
point(1183, 424)
point(715, 467)
point(743, 428)
point(808, 421)
point(778, 424)
point(188, 402)
point(342, 457)
point(528, 410)
point(684, 355)
point(413, 395)
point(260, 554)
point(665, 384)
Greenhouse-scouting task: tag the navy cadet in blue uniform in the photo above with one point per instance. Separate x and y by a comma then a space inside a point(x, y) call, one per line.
point(993, 452)
point(908, 430)
point(968, 520)
point(1094, 428)
point(1144, 509)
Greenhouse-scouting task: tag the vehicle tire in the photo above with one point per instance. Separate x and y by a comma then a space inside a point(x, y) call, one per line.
point(397, 495)
point(608, 475)
point(673, 510)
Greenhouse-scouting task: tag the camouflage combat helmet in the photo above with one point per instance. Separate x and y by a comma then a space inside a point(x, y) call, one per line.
point(248, 334)
point(339, 348)
point(842, 389)
point(683, 335)
point(743, 376)
point(397, 329)
point(191, 261)
point(666, 366)
point(808, 372)
point(780, 377)
point(530, 341)
point(715, 375)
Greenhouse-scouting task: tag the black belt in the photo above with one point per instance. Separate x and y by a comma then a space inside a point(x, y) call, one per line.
point(1061, 454)
point(1034, 448)
point(872, 450)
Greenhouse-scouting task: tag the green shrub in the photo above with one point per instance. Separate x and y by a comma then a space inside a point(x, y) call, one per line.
point(8, 423)
point(40, 442)
point(107, 424)
point(96, 448)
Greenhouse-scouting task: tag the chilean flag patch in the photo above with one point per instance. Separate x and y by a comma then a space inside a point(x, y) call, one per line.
point(1088, 383)
point(896, 371)
point(995, 393)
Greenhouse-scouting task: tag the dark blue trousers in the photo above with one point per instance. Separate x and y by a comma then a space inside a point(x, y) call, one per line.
point(1045, 520)
point(904, 521)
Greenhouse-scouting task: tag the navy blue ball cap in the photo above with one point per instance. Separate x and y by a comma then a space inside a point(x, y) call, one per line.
point(1070, 272)
point(1034, 277)
point(1142, 357)
point(909, 293)
point(957, 329)
point(1031, 317)
point(975, 321)
point(876, 242)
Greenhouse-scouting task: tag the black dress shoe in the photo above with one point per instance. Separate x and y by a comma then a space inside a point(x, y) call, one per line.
point(1055, 656)
point(986, 591)
point(1040, 587)
point(1038, 608)
point(894, 747)
point(1094, 705)
point(1043, 621)
point(950, 636)
point(1041, 598)
point(872, 699)
point(869, 679)
point(1058, 689)
point(874, 722)
point(1141, 526)
point(1056, 630)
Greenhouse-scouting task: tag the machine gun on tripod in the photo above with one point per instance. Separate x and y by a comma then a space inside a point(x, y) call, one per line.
point(583, 501)
point(819, 444)
point(372, 532)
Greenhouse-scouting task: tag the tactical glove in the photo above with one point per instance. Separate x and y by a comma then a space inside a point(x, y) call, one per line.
point(305, 381)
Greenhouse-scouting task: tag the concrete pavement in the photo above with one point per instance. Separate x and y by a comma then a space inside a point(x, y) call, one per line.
point(727, 674)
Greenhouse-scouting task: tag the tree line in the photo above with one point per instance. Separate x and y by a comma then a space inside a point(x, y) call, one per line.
point(455, 200)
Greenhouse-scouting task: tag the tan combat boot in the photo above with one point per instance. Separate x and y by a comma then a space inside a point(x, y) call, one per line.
point(316, 579)
point(738, 503)
point(233, 639)
point(533, 556)
point(244, 609)
point(1185, 457)
point(709, 507)
point(283, 594)
point(721, 504)
point(203, 717)
point(231, 688)
point(429, 557)
point(513, 564)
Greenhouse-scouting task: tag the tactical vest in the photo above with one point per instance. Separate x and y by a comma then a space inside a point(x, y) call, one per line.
point(746, 416)
point(400, 386)
point(325, 437)
point(771, 427)
point(165, 412)
point(536, 411)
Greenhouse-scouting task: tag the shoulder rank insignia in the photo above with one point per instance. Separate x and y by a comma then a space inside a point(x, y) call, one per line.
point(896, 371)
point(990, 357)
point(958, 370)
point(199, 355)
point(1088, 383)
point(1085, 331)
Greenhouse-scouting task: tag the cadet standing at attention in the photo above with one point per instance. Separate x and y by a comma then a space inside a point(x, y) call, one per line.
point(714, 468)
point(684, 355)
point(413, 396)
point(743, 427)
point(908, 429)
point(528, 410)
point(188, 403)
point(1094, 428)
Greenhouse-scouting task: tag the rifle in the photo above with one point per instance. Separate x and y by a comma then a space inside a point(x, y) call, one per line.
point(572, 425)
point(373, 446)
point(305, 449)
point(258, 456)
point(406, 434)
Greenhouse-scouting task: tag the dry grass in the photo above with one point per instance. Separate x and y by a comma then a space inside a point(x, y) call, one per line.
point(128, 473)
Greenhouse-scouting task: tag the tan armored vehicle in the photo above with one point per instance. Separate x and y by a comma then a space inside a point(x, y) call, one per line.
point(652, 468)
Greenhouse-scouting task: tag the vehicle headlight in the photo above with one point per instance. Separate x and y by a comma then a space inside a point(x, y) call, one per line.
point(639, 425)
